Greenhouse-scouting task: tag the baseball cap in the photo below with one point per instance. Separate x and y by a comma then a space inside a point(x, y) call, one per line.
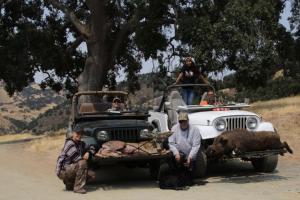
point(183, 116)
point(78, 130)
point(116, 99)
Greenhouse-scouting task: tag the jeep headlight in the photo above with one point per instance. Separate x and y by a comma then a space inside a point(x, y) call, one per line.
point(102, 135)
point(145, 134)
point(252, 123)
point(220, 124)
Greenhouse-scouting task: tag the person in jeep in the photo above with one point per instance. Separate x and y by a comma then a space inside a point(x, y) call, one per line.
point(189, 74)
point(71, 165)
point(117, 105)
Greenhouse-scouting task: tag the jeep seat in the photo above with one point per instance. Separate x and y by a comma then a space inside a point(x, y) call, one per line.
point(89, 108)
point(175, 101)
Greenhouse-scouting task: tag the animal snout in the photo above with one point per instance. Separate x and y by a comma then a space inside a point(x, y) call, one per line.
point(210, 151)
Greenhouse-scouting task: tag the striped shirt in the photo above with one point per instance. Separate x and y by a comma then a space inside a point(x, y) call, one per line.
point(71, 153)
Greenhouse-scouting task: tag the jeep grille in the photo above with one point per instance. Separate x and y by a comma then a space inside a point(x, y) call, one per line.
point(237, 122)
point(126, 135)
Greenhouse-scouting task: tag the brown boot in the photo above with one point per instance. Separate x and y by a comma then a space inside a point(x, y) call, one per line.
point(80, 191)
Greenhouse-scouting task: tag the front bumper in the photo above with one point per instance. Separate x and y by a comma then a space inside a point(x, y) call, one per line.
point(142, 159)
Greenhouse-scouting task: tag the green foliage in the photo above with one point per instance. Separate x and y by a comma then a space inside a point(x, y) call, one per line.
point(41, 36)
point(31, 41)
point(237, 35)
point(274, 89)
point(243, 36)
point(295, 18)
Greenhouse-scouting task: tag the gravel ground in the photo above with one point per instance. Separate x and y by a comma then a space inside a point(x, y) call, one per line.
point(27, 175)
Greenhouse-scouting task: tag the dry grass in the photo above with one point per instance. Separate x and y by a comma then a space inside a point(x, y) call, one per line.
point(284, 114)
point(53, 142)
point(13, 137)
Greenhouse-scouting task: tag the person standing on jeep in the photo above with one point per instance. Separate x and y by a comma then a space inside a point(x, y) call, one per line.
point(185, 140)
point(188, 75)
point(72, 162)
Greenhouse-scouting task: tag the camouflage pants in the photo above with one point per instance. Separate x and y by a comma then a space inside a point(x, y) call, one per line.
point(74, 175)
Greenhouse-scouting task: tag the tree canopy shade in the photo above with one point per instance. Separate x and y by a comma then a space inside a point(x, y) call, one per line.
point(44, 35)
point(234, 34)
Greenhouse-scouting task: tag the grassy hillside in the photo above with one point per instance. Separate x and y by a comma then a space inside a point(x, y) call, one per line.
point(51, 120)
point(19, 110)
point(284, 114)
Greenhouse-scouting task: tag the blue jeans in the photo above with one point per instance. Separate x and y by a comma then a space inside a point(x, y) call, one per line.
point(188, 96)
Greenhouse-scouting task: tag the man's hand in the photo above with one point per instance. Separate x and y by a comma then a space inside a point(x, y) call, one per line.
point(177, 157)
point(188, 162)
point(86, 156)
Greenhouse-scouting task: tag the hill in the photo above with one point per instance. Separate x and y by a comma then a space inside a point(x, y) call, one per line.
point(20, 109)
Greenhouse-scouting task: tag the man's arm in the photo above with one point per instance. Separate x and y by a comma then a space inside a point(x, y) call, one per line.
point(196, 144)
point(172, 141)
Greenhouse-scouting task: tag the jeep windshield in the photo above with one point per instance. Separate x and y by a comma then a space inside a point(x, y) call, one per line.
point(205, 99)
point(103, 104)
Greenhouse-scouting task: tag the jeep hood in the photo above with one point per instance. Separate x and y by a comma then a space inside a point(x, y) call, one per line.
point(202, 118)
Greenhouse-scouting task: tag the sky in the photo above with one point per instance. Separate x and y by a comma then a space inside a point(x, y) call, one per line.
point(147, 66)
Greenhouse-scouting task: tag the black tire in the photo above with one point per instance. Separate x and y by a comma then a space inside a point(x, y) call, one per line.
point(164, 169)
point(154, 169)
point(265, 164)
point(201, 165)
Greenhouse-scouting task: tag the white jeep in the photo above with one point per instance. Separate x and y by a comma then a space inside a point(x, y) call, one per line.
point(212, 120)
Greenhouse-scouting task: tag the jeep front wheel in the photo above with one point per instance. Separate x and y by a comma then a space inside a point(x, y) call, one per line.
point(265, 164)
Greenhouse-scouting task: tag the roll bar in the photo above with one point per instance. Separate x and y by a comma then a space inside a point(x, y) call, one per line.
point(183, 85)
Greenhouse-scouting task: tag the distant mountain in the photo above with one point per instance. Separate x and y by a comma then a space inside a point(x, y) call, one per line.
point(18, 111)
point(51, 120)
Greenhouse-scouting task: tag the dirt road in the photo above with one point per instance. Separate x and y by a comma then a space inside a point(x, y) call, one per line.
point(28, 176)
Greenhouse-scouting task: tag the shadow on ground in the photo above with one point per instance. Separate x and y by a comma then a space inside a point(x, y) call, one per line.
point(115, 178)
point(239, 172)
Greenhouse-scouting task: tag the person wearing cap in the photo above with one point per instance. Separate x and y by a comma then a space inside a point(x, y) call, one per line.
point(116, 104)
point(185, 141)
point(71, 165)
point(208, 98)
point(189, 74)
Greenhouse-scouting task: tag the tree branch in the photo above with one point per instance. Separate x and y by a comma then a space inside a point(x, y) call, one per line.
point(75, 44)
point(82, 28)
point(124, 31)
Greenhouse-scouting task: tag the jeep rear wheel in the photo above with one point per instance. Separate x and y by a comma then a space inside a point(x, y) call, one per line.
point(201, 165)
point(265, 164)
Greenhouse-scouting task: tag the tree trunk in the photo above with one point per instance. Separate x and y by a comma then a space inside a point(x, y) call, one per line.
point(95, 69)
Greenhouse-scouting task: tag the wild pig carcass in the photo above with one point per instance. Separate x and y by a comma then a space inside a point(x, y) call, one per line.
point(242, 142)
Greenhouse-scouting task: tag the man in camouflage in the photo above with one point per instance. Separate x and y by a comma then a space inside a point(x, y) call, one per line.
point(72, 162)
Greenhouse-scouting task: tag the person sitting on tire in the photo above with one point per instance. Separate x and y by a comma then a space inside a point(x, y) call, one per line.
point(71, 165)
point(185, 141)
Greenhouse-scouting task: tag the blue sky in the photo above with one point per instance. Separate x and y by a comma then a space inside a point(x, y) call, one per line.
point(148, 65)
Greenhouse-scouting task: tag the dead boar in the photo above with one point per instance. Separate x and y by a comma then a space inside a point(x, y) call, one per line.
point(242, 141)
